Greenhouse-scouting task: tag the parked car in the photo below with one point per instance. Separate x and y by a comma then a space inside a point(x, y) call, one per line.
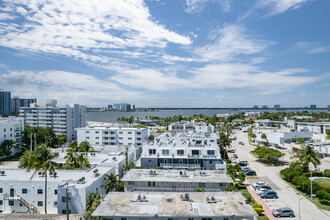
point(261, 190)
point(283, 212)
point(269, 194)
point(251, 173)
point(245, 169)
point(235, 156)
point(240, 143)
point(263, 187)
point(243, 163)
point(254, 185)
point(231, 151)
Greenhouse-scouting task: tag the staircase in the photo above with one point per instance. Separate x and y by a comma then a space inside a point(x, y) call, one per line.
point(24, 202)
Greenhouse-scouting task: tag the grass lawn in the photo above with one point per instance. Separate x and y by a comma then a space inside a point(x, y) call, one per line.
point(307, 196)
point(262, 217)
point(324, 183)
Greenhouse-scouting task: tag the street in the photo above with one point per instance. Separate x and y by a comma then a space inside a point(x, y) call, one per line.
point(288, 197)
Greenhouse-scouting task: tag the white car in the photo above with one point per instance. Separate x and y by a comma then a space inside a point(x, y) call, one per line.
point(254, 185)
point(261, 190)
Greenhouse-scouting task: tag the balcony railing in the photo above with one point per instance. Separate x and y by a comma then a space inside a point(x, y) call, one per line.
point(179, 165)
point(157, 189)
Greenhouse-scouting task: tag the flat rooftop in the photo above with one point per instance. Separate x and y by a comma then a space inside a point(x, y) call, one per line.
point(127, 204)
point(199, 176)
point(62, 176)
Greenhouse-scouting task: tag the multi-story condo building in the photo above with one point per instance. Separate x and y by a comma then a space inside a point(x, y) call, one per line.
point(175, 180)
point(109, 135)
point(318, 127)
point(5, 97)
point(176, 206)
point(193, 126)
point(12, 128)
point(17, 103)
point(62, 119)
point(22, 194)
point(183, 151)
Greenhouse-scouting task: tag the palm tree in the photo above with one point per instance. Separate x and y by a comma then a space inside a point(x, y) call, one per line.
point(309, 155)
point(263, 136)
point(82, 160)
point(84, 147)
point(111, 182)
point(93, 200)
point(73, 146)
point(71, 158)
point(42, 159)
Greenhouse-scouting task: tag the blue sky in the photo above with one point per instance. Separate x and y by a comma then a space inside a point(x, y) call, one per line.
point(183, 53)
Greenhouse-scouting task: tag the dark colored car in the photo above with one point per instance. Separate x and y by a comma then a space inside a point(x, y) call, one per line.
point(283, 212)
point(269, 194)
point(245, 169)
point(263, 187)
point(240, 143)
point(250, 173)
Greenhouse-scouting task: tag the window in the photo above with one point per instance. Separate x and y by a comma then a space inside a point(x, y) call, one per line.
point(129, 132)
point(210, 152)
point(1, 202)
point(97, 137)
point(11, 202)
point(97, 142)
point(202, 185)
point(87, 137)
point(165, 152)
point(190, 218)
point(211, 140)
point(129, 138)
point(1, 190)
point(64, 211)
point(96, 132)
point(195, 152)
point(64, 199)
point(39, 191)
point(55, 204)
point(87, 132)
point(24, 191)
point(180, 152)
point(131, 183)
point(151, 183)
point(120, 132)
point(206, 218)
point(152, 151)
point(123, 218)
point(55, 192)
point(20, 204)
point(121, 138)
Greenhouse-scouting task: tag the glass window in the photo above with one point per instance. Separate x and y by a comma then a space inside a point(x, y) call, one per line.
point(195, 152)
point(202, 184)
point(39, 191)
point(152, 151)
point(24, 191)
point(1, 190)
point(11, 202)
point(1, 202)
point(210, 152)
point(55, 191)
point(166, 152)
point(180, 152)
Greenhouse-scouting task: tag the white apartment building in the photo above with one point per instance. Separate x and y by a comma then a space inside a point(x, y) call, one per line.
point(192, 126)
point(62, 119)
point(278, 137)
point(12, 128)
point(175, 206)
point(21, 194)
point(319, 127)
point(103, 136)
point(175, 180)
point(183, 151)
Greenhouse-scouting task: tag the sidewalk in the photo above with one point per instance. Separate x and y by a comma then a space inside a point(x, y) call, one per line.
point(257, 198)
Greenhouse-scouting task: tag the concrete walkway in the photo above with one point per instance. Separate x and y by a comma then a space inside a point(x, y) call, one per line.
point(257, 198)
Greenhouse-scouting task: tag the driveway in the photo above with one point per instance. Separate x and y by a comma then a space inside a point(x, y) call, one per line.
point(288, 197)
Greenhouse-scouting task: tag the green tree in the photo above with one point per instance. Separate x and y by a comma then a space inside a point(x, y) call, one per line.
point(60, 140)
point(267, 154)
point(73, 146)
point(71, 159)
point(151, 137)
point(41, 159)
point(309, 155)
point(24, 160)
point(85, 147)
point(328, 134)
point(6, 147)
point(263, 136)
point(300, 140)
point(93, 200)
point(111, 182)
point(82, 161)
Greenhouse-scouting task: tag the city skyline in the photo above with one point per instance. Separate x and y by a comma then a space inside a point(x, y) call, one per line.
point(215, 53)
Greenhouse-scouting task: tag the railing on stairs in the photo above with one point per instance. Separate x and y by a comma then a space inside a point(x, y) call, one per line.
point(24, 202)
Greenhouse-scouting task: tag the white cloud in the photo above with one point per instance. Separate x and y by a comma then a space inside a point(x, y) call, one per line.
point(195, 6)
point(76, 28)
point(232, 40)
point(312, 47)
point(280, 6)
point(68, 87)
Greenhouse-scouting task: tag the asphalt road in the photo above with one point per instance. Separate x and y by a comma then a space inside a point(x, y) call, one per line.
point(288, 197)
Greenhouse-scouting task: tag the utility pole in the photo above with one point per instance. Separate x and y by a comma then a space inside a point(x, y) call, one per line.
point(31, 141)
point(35, 140)
point(311, 186)
point(67, 202)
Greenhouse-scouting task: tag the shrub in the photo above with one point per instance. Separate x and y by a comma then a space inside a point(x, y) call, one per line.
point(326, 173)
point(248, 198)
point(258, 210)
point(325, 202)
point(257, 206)
point(241, 186)
point(229, 188)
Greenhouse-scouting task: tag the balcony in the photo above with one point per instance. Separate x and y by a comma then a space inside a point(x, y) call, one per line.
point(180, 166)
point(157, 189)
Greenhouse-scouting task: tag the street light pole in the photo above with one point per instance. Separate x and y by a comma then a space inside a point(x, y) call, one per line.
point(311, 187)
point(299, 207)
